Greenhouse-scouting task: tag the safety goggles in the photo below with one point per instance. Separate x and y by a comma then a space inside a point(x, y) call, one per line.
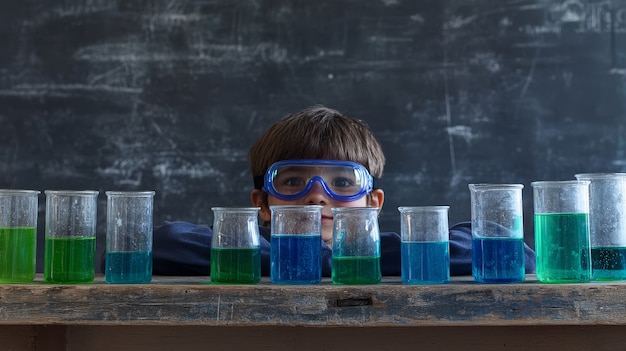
point(341, 180)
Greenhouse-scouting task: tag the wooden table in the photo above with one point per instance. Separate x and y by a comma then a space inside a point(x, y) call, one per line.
point(185, 313)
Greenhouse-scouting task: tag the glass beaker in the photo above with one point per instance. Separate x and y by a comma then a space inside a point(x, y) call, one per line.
point(607, 224)
point(129, 237)
point(497, 233)
point(18, 235)
point(70, 243)
point(296, 244)
point(235, 246)
point(356, 246)
point(425, 252)
point(562, 243)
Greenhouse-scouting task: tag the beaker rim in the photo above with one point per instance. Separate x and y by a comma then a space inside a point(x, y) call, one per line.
point(493, 186)
point(557, 183)
point(600, 175)
point(72, 192)
point(242, 209)
point(130, 193)
point(297, 206)
point(19, 192)
point(423, 208)
point(354, 209)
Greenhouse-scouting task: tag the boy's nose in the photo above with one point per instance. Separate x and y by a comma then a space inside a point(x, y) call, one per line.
point(317, 193)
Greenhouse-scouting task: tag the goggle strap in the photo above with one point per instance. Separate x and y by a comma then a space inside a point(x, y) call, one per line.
point(376, 183)
point(259, 182)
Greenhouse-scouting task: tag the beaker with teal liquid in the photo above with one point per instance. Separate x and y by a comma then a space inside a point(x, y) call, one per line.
point(562, 244)
point(607, 224)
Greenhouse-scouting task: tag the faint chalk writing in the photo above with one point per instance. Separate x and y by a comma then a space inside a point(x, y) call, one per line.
point(581, 16)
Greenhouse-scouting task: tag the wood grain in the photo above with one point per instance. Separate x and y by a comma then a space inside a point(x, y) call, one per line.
point(191, 302)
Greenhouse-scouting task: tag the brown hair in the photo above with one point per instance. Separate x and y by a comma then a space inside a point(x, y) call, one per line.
point(317, 133)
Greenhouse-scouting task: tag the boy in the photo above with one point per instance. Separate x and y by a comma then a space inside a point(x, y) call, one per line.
point(313, 140)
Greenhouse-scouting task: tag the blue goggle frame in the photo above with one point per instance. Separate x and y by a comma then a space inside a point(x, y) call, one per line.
point(365, 188)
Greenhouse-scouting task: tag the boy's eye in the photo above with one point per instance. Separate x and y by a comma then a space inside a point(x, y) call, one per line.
point(342, 183)
point(293, 182)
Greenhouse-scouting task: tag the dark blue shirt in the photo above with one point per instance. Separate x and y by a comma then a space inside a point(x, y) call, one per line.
point(181, 248)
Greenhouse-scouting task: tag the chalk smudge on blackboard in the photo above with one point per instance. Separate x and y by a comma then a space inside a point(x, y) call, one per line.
point(528, 80)
point(62, 90)
point(391, 2)
point(464, 132)
point(411, 179)
point(129, 171)
point(458, 22)
point(211, 53)
point(448, 114)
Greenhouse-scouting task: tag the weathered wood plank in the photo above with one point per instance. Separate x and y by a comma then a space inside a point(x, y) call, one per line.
point(187, 301)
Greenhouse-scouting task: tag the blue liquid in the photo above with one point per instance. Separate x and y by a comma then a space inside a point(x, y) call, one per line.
point(425, 262)
point(608, 263)
point(296, 258)
point(498, 260)
point(128, 267)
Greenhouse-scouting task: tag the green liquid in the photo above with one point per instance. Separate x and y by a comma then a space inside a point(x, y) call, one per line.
point(562, 247)
point(356, 270)
point(236, 266)
point(69, 260)
point(18, 252)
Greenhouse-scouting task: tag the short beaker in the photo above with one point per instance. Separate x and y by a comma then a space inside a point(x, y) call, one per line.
point(425, 253)
point(235, 246)
point(70, 244)
point(356, 246)
point(296, 244)
point(497, 233)
point(18, 235)
point(129, 237)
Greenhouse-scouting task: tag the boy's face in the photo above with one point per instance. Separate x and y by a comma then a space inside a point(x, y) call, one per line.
point(317, 196)
point(328, 183)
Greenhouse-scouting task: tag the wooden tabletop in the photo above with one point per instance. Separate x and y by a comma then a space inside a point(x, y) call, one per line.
point(192, 301)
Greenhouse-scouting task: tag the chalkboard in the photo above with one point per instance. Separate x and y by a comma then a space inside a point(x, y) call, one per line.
point(169, 95)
